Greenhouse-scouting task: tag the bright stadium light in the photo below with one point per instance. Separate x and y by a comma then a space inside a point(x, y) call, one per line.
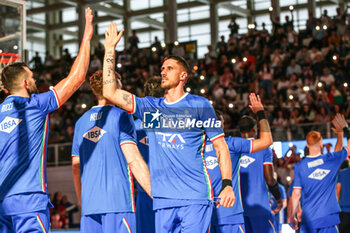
point(0, 50)
point(188, 89)
point(83, 106)
point(306, 88)
point(230, 105)
point(15, 47)
point(176, 43)
point(324, 27)
point(201, 77)
point(334, 57)
point(317, 28)
point(291, 97)
point(245, 59)
point(202, 91)
point(211, 102)
point(163, 45)
point(154, 49)
point(345, 84)
point(119, 65)
point(288, 178)
point(270, 8)
point(319, 84)
point(291, 8)
point(233, 61)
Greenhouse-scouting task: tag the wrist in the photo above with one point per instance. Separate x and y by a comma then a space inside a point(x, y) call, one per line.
point(261, 115)
point(109, 48)
point(346, 132)
point(225, 183)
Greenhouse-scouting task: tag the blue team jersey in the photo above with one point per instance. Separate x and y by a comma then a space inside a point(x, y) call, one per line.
point(177, 164)
point(236, 147)
point(279, 215)
point(344, 180)
point(316, 177)
point(106, 180)
point(255, 195)
point(23, 140)
point(142, 144)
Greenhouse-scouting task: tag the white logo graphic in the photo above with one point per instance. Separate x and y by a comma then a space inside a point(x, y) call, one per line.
point(144, 141)
point(211, 162)
point(246, 161)
point(9, 124)
point(319, 174)
point(94, 134)
point(315, 163)
point(172, 141)
point(209, 148)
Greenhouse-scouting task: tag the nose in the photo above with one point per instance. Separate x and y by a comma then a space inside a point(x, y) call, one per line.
point(163, 72)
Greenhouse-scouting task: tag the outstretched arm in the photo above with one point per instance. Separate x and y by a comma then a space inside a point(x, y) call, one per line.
point(138, 166)
point(293, 207)
point(227, 197)
point(66, 87)
point(76, 177)
point(339, 124)
point(265, 139)
point(117, 96)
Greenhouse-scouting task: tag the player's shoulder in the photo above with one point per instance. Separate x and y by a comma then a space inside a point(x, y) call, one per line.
point(345, 171)
point(154, 100)
point(196, 98)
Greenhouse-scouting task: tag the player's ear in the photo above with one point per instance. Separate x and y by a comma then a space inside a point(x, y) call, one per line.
point(183, 76)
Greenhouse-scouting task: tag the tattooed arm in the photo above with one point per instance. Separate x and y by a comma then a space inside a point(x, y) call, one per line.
point(110, 90)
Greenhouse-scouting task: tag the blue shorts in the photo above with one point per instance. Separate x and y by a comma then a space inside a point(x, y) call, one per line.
point(331, 229)
point(277, 223)
point(194, 218)
point(145, 217)
point(110, 222)
point(36, 222)
point(232, 228)
point(259, 223)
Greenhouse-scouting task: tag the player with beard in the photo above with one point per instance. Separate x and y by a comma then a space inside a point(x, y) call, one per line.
point(24, 119)
point(180, 183)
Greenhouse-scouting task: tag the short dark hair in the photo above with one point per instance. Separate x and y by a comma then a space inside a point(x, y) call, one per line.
point(181, 61)
point(10, 75)
point(246, 123)
point(153, 87)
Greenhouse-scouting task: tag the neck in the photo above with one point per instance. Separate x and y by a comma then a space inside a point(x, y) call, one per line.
point(314, 151)
point(173, 94)
point(103, 101)
point(22, 93)
point(247, 135)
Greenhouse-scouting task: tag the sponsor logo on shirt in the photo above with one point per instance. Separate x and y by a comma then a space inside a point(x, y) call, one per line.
point(144, 141)
point(209, 148)
point(94, 134)
point(211, 162)
point(319, 174)
point(171, 141)
point(7, 107)
point(315, 163)
point(246, 161)
point(9, 124)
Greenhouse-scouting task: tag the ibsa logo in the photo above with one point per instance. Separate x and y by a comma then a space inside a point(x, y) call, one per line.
point(246, 161)
point(171, 141)
point(9, 124)
point(94, 134)
point(211, 162)
point(319, 174)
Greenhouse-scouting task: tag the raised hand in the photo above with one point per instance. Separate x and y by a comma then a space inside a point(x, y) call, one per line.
point(339, 123)
point(255, 103)
point(112, 37)
point(88, 24)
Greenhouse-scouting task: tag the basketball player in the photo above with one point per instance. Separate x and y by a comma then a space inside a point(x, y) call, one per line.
point(24, 119)
point(343, 193)
point(315, 181)
point(279, 216)
point(145, 217)
point(232, 219)
point(104, 159)
point(256, 181)
point(181, 186)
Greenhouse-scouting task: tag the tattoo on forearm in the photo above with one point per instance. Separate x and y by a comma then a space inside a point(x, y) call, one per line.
point(127, 99)
point(110, 60)
point(109, 81)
